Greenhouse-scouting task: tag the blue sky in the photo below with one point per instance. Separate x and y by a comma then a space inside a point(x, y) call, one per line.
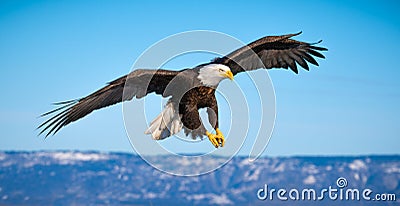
point(59, 50)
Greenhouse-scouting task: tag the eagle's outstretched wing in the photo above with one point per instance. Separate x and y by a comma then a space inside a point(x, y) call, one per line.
point(137, 84)
point(274, 52)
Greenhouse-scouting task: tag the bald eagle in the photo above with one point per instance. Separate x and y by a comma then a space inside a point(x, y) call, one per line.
point(188, 90)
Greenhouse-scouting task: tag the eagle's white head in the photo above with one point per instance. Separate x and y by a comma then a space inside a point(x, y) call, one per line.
point(212, 74)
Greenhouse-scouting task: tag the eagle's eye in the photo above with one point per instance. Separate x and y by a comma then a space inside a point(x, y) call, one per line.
point(221, 70)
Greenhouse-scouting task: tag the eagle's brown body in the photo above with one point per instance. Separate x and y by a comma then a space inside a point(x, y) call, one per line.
point(191, 102)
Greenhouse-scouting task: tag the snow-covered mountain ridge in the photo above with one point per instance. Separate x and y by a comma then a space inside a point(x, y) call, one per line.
point(94, 178)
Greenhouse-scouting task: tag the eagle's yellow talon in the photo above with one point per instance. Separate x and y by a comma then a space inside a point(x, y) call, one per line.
point(218, 140)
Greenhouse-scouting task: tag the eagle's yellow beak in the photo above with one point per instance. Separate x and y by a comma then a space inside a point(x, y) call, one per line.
point(229, 75)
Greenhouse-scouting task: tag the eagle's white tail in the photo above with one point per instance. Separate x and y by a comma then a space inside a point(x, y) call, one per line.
point(167, 123)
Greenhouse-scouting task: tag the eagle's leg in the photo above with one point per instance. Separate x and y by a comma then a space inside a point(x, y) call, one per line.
point(218, 139)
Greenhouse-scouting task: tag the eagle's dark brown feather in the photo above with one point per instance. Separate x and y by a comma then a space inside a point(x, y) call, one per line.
point(138, 83)
point(274, 52)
